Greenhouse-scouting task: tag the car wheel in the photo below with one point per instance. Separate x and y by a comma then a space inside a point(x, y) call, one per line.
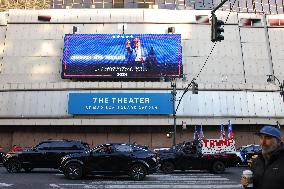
point(137, 172)
point(168, 167)
point(14, 166)
point(28, 169)
point(73, 171)
point(218, 167)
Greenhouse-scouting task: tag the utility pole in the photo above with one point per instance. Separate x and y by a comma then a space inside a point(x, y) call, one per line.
point(218, 6)
point(174, 93)
point(273, 78)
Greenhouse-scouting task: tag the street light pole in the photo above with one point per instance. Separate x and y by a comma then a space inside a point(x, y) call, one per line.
point(174, 92)
point(272, 78)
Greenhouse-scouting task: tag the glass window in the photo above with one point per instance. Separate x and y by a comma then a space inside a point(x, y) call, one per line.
point(139, 148)
point(64, 145)
point(280, 5)
point(85, 145)
point(99, 150)
point(257, 148)
point(43, 146)
point(118, 3)
point(123, 148)
point(266, 6)
point(249, 149)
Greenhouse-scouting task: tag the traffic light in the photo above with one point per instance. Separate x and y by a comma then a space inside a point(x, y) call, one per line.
point(194, 88)
point(282, 90)
point(216, 29)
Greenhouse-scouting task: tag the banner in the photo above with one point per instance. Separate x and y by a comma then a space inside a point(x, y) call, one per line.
point(213, 146)
point(120, 103)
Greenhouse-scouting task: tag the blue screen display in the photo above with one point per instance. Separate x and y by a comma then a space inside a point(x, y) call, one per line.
point(122, 56)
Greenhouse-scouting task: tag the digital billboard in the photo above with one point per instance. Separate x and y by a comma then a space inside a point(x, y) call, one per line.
point(122, 56)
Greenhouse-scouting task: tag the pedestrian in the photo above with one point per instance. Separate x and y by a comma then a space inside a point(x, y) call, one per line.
point(268, 167)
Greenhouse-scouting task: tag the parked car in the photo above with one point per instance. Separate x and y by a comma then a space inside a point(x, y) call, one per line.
point(116, 158)
point(46, 154)
point(188, 156)
point(246, 152)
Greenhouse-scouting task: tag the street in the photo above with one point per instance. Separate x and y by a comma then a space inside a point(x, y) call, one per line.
point(50, 178)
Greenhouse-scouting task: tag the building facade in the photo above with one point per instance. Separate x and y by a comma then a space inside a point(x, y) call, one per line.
point(231, 76)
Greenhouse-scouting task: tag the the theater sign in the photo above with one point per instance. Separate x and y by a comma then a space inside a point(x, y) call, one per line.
point(120, 103)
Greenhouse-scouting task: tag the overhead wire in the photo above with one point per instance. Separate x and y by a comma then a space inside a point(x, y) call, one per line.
point(207, 58)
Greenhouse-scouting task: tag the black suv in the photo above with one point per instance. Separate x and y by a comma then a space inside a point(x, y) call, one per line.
point(116, 158)
point(46, 154)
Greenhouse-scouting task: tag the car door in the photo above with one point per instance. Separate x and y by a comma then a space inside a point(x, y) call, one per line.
point(188, 158)
point(122, 157)
point(36, 156)
point(54, 154)
point(101, 159)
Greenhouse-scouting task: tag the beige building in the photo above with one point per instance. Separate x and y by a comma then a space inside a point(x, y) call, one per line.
point(232, 76)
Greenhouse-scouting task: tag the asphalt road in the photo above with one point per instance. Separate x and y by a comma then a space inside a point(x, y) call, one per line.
point(52, 179)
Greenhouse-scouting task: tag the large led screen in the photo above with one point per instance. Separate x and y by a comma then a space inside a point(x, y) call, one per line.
point(122, 56)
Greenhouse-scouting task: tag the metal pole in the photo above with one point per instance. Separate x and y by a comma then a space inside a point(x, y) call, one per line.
point(282, 90)
point(218, 6)
point(173, 84)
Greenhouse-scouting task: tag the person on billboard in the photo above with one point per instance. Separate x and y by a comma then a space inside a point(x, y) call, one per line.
point(135, 52)
point(151, 60)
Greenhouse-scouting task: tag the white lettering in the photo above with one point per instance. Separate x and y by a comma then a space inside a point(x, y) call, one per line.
point(119, 100)
point(131, 100)
point(147, 100)
point(97, 57)
point(95, 100)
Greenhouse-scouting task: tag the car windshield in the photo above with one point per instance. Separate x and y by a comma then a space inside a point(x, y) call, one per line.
point(249, 148)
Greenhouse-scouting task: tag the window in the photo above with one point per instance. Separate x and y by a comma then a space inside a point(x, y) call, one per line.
point(123, 148)
point(43, 146)
point(100, 150)
point(118, 4)
point(249, 149)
